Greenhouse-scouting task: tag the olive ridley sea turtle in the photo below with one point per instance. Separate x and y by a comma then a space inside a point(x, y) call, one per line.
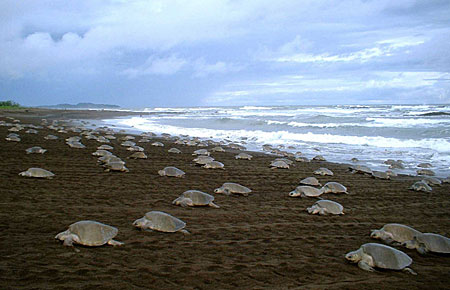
point(394, 233)
point(160, 221)
point(305, 191)
point(324, 207)
point(310, 181)
point(429, 242)
point(37, 173)
point(373, 255)
point(89, 233)
point(36, 150)
point(171, 171)
point(323, 171)
point(195, 198)
point(334, 187)
point(230, 187)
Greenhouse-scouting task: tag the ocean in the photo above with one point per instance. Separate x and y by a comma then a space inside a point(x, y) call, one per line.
point(372, 133)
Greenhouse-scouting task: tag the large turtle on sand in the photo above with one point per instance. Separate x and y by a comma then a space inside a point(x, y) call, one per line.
point(89, 233)
point(373, 255)
point(160, 221)
point(37, 173)
point(323, 171)
point(305, 191)
point(230, 187)
point(394, 233)
point(429, 242)
point(310, 181)
point(324, 207)
point(171, 171)
point(195, 198)
point(421, 186)
point(334, 187)
point(35, 150)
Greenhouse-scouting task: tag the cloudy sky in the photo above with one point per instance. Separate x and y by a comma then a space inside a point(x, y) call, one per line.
point(138, 53)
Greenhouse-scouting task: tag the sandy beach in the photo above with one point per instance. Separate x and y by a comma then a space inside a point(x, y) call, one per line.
point(264, 241)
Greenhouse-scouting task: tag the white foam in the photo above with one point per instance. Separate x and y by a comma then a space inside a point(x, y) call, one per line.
point(287, 138)
point(405, 123)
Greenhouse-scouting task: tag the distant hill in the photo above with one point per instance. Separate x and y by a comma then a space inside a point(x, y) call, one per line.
point(82, 106)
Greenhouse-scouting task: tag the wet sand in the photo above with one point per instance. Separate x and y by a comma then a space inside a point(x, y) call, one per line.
point(264, 241)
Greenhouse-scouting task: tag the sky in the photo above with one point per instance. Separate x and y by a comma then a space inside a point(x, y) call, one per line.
point(172, 53)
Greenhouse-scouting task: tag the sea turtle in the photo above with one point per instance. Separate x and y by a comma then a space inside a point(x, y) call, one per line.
point(305, 191)
point(318, 158)
point(394, 233)
point(202, 160)
point(429, 242)
point(105, 147)
point(89, 233)
point(324, 207)
point(101, 152)
point(431, 181)
point(37, 172)
point(115, 166)
point(126, 138)
point(157, 144)
point(373, 255)
point(424, 165)
point(13, 138)
point(243, 156)
point(201, 152)
point(425, 172)
point(361, 169)
point(334, 187)
point(51, 137)
point(279, 164)
point(421, 186)
point(323, 171)
point(214, 165)
point(135, 148)
point(310, 181)
point(160, 221)
point(380, 175)
point(110, 158)
point(230, 187)
point(287, 161)
point(397, 165)
point(36, 150)
point(301, 159)
point(138, 155)
point(354, 160)
point(218, 149)
point(174, 150)
point(76, 144)
point(31, 131)
point(195, 198)
point(171, 171)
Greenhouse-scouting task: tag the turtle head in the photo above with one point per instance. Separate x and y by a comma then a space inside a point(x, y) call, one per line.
point(221, 190)
point(24, 173)
point(161, 172)
point(294, 194)
point(140, 223)
point(376, 234)
point(353, 257)
point(412, 244)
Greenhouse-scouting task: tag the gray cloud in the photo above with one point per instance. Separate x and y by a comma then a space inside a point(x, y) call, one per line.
point(225, 52)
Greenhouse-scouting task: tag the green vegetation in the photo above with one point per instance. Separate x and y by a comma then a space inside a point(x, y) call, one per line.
point(9, 105)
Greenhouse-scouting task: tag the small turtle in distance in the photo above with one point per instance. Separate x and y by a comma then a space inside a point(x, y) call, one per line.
point(37, 173)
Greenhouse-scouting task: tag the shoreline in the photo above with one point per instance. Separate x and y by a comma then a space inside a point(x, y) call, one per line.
point(264, 241)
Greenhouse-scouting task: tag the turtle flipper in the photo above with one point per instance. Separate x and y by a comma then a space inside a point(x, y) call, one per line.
point(186, 232)
point(68, 241)
point(366, 267)
point(115, 243)
point(409, 271)
point(212, 204)
point(422, 249)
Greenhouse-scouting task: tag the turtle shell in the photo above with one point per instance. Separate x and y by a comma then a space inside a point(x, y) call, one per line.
point(332, 206)
point(92, 233)
point(435, 243)
point(198, 197)
point(164, 222)
point(386, 257)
